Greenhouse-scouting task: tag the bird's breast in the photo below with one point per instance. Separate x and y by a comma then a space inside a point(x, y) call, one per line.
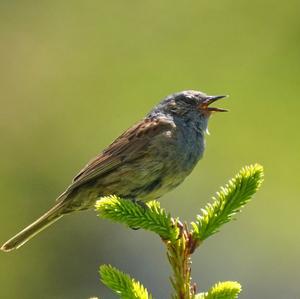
point(188, 147)
point(177, 155)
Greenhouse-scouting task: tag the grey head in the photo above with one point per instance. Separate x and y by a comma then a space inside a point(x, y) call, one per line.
point(192, 107)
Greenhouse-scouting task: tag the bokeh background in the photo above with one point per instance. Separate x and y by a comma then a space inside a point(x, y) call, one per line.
point(75, 74)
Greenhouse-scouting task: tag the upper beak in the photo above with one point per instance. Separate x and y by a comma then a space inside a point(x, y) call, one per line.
point(211, 99)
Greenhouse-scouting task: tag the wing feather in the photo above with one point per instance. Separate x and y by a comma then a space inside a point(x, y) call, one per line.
point(131, 145)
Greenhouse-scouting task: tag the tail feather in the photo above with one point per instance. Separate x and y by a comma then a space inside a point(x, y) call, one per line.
point(33, 229)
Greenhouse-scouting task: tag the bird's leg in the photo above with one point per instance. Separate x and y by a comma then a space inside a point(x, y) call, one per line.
point(141, 204)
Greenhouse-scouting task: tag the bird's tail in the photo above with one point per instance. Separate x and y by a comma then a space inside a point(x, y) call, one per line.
point(33, 229)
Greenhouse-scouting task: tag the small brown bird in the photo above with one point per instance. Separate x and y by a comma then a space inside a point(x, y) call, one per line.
point(151, 158)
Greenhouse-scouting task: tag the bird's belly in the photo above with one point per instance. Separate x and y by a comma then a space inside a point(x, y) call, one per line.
point(144, 179)
point(148, 179)
point(138, 182)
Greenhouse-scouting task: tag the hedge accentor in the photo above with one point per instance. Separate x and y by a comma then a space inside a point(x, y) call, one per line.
point(146, 161)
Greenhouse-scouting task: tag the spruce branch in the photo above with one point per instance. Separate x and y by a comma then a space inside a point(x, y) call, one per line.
point(122, 284)
point(179, 256)
point(149, 217)
point(228, 201)
point(180, 241)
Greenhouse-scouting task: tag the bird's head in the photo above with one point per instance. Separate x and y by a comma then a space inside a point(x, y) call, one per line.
point(191, 106)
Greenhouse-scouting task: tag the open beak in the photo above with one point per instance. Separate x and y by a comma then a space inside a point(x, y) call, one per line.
point(209, 100)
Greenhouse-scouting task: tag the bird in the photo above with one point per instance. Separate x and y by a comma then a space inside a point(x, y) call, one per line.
point(149, 159)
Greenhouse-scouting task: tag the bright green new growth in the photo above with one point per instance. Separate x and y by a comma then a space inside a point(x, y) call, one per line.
point(122, 284)
point(222, 290)
point(229, 200)
point(150, 217)
point(180, 241)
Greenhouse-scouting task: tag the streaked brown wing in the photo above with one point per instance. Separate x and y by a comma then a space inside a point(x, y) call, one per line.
point(131, 145)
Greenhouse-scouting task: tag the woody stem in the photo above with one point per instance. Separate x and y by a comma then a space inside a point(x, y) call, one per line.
point(179, 256)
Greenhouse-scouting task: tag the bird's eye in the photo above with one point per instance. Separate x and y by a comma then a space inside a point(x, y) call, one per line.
point(191, 101)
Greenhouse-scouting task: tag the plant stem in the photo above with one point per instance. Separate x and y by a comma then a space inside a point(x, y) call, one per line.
point(179, 256)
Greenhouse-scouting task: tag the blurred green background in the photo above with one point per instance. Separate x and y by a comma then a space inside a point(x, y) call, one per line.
point(75, 74)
